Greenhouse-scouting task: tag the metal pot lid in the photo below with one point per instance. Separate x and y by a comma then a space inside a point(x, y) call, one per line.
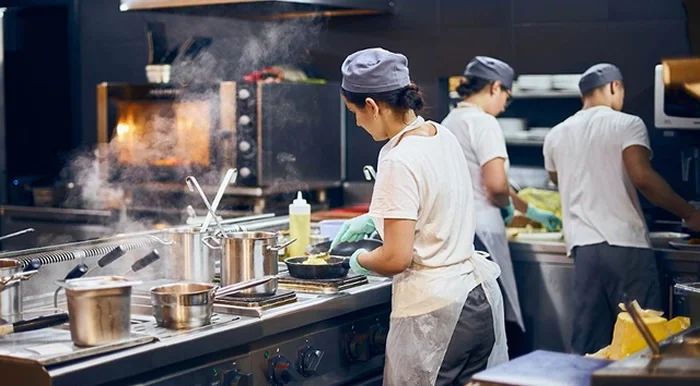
point(96, 283)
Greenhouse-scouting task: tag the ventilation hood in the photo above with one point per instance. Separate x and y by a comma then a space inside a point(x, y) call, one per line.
point(276, 9)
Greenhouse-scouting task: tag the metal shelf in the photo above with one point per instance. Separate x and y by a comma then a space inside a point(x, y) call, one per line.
point(533, 94)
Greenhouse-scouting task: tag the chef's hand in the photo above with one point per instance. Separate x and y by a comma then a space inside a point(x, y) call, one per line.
point(546, 218)
point(355, 265)
point(354, 229)
point(508, 212)
point(693, 221)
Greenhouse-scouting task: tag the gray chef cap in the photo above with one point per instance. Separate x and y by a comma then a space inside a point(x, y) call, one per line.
point(598, 75)
point(492, 69)
point(375, 70)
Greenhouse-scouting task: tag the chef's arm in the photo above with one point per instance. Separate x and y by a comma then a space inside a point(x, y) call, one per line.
point(495, 181)
point(651, 184)
point(396, 254)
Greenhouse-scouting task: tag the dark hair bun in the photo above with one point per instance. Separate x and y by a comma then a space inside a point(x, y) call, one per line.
point(411, 98)
point(472, 85)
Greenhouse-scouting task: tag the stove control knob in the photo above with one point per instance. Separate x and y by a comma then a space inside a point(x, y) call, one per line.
point(245, 172)
point(309, 360)
point(278, 371)
point(358, 347)
point(378, 334)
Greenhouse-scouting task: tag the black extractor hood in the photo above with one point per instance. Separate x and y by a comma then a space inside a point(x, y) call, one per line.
point(275, 9)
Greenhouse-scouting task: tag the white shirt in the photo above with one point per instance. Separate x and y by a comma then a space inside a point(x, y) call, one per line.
point(481, 139)
point(599, 201)
point(422, 178)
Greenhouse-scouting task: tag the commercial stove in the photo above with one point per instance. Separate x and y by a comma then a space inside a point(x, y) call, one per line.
point(309, 333)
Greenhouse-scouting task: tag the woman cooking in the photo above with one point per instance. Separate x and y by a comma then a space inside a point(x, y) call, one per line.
point(485, 90)
point(446, 321)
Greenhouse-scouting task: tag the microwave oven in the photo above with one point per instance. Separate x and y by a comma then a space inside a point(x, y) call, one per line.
point(273, 133)
point(674, 108)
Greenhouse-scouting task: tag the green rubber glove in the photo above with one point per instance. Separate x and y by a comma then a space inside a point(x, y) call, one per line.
point(546, 218)
point(508, 212)
point(355, 265)
point(354, 229)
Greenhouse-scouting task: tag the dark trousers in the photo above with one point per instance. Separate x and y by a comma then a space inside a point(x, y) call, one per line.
point(603, 275)
point(471, 342)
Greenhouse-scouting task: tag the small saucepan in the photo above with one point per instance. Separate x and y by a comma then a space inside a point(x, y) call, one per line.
point(337, 265)
point(189, 305)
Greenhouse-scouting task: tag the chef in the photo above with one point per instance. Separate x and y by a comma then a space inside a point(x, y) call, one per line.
point(486, 92)
point(446, 319)
point(599, 158)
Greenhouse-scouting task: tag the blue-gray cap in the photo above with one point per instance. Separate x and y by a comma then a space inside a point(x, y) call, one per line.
point(492, 69)
point(374, 70)
point(598, 75)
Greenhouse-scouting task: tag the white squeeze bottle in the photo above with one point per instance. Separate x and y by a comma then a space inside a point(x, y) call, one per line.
point(299, 226)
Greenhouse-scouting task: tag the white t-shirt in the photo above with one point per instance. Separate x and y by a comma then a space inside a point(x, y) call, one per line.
point(481, 139)
point(599, 201)
point(422, 178)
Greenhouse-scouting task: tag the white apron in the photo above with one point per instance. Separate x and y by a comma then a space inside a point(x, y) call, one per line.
point(426, 305)
point(492, 232)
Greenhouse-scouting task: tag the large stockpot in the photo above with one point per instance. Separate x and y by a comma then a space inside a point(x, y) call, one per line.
point(99, 309)
point(250, 255)
point(190, 259)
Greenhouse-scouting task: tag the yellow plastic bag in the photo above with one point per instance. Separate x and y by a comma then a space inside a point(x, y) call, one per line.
point(542, 199)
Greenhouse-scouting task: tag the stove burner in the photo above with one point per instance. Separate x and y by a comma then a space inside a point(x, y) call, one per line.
point(253, 306)
point(321, 286)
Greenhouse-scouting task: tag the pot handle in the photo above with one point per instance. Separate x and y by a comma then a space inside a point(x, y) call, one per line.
point(164, 242)
point(281, 246)
point(21, 276)
point(217, 244)
point(233, 288)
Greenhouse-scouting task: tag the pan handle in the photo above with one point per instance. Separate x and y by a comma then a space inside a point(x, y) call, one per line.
point(207, 239)
point(281, 246)
point(233, 288)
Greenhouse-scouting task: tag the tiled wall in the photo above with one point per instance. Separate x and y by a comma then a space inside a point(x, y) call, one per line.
point(438, 36)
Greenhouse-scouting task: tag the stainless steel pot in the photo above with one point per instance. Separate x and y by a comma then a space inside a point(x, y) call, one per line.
point(250, 255)
point(190, 259)
point(11, 278)
point(10, 293)
point(190, 305)
point(99, 309)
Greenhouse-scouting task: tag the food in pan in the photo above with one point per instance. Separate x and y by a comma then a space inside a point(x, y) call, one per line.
point(317, 259)
point(694, 241)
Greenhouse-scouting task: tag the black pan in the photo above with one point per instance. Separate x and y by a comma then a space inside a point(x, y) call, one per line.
point(336, 268)
point(338, 264)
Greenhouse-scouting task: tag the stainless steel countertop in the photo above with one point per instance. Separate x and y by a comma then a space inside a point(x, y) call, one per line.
point(555, 252)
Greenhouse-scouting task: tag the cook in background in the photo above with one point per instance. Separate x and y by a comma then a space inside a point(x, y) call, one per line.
point(447, 316)
point(486, 90)
point(597, 157)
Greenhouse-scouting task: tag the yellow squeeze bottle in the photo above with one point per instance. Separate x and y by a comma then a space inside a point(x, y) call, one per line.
point(299, 226)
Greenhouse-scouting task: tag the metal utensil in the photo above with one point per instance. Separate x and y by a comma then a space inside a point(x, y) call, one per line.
point(18, 233)
point(192, 184)
point(34, 324)
point(190, 305)
point(643, 329)
point(229, 178)
point(143, 262)
point(99, 309)
point(108, 258)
